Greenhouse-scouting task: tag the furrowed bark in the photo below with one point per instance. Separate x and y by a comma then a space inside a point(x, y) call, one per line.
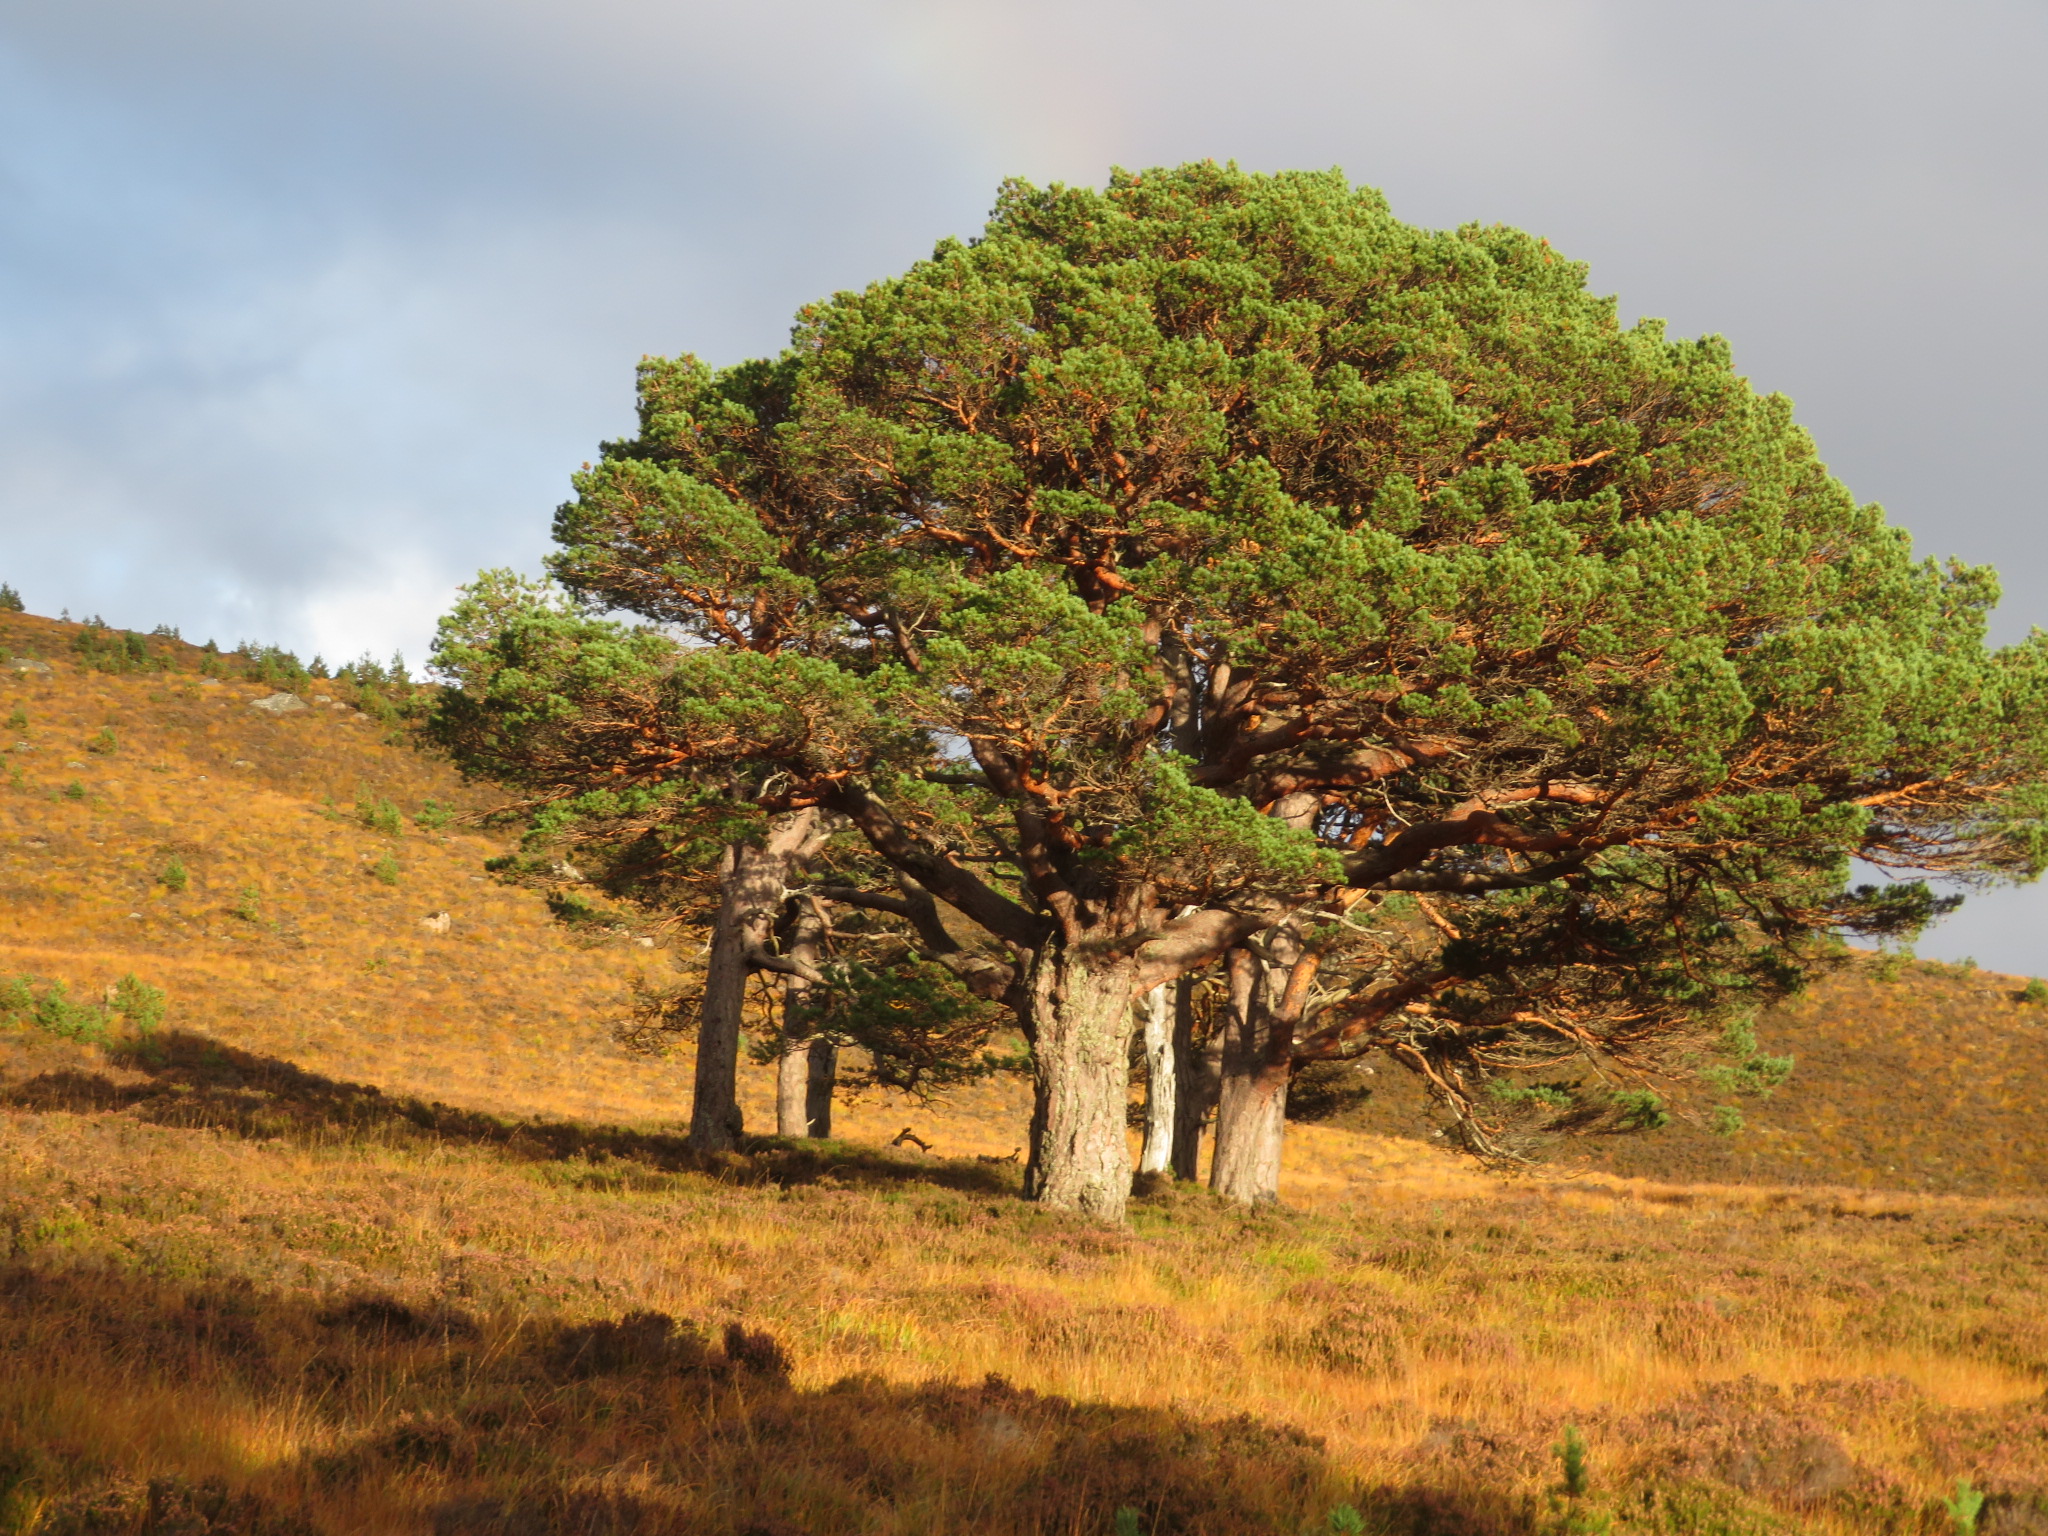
point(752, 879)
point(1266, 996)
point(1081, 1009)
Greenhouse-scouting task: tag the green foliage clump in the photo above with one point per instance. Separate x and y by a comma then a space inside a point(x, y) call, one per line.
point(131, 1000)
point(923, 1031)
point(174, 876)
point(1641, 1109)
point(249, 904)
point(1964, 1508)
point(115, 651)
point(379, 815)
point(1571, 1457)
point(74, 790)
point(433, 816)
point(272, 665)
point(385, 871)
point(1547, 1095)
point(1744, 1068)
point(2034, 992)
point(18, 719)
point(10, 600)
point(104, 743)
point(141, 1004)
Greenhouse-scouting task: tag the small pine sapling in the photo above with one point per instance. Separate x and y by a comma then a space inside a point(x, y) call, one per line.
point(2034, 992)
point(249, 905)
point(104, 743)
point(1345, 1520)
point(1964, 1508)
point(434, 816)
point(1571, 1456)
point(139, 1003)
point(379, 816)
point(74, 790)
point(174, 877)
point(1641, 1110)
point(55, 1012)
point(18, 721)
point(386, 870)
point(10, 600)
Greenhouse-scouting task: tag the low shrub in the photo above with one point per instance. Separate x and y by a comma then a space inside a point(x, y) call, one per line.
point(379, 815)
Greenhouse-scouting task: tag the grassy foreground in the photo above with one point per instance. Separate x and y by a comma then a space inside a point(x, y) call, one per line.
point(382, 1232)
point(310, 1302)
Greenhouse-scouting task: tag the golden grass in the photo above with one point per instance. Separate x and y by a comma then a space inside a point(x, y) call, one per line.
point(188, 1225)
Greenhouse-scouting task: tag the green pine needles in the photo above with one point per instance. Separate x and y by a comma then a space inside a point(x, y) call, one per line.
point(1214, 570)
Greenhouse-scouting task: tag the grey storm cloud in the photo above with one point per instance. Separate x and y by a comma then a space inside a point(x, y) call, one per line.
point(310, 309)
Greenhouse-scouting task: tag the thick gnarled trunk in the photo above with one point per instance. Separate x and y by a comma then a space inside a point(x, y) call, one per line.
point(1266, 998)
point(752, 879)
point(1081, 1012)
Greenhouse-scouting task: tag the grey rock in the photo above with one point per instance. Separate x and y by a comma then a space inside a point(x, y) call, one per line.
point(280, 704)
point(29, 664)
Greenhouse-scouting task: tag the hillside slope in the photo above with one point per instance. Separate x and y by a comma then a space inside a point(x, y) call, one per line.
point(284, 941)
point(382, 1232)
point(1908, 1076)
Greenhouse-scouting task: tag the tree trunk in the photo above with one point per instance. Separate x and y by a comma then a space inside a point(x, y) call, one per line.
point(751, 880)
point(1162, 1080)
point(822, 1058)
point(805, 1073)
point(1082, 1016)
point(1266, 999)
point(1195, 1093)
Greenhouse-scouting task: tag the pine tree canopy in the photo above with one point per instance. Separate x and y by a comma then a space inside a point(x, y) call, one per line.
point(1214, 548)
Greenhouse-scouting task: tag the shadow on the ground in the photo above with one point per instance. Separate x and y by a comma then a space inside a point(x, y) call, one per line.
point(436, 1420)
point(193, 1082)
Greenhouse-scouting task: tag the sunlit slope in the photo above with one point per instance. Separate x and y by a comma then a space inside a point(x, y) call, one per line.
point(285, 940)
point(326, 965)
point(1909, 1076)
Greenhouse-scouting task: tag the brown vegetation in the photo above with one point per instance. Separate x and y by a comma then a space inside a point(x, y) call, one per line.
point(383, 1233)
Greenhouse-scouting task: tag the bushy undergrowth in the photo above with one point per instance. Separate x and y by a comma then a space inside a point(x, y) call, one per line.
point(131, 1007)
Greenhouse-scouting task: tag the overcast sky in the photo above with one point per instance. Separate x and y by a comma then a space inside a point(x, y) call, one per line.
point(308, 310)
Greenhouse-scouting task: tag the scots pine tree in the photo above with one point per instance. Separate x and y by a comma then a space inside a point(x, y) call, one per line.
point(1214, 570)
